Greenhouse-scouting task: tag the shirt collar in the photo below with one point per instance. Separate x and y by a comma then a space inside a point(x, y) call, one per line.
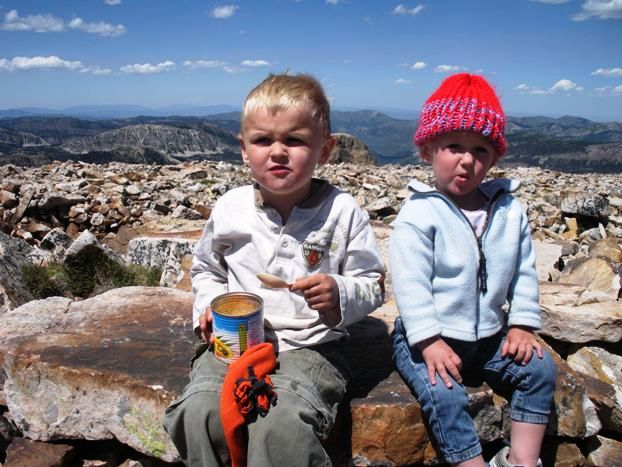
point(318, 192)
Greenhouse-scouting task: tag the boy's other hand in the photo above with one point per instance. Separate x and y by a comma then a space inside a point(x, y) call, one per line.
point(440, 358)
point(321, 294)
point(205, 323)
point(520, 343)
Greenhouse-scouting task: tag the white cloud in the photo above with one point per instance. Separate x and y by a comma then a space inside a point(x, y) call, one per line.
point(402, 81)
point(101, 28)
point(224, 12)
point(563, 85)
point(37, 23)
point(232, 69)
point(255, 63)
point(203, 64)
point(610, 90)
point(39, 63)
point(50, 63)
point(96, 70)
point(51, 23)
point(334, 2)
point(602, 9)
point(525, 89)
point(112, 2)
point(402, 10)
point(446, 68)
point(148, 68)
point(414, 66)
point(608, 72)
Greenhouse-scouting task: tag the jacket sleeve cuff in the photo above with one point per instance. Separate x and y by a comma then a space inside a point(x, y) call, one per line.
point(533, 322)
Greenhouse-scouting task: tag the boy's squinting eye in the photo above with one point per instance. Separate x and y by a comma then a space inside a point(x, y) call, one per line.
point(481, 150)
point(454, 147)
point(261, 141)
point(295, 141)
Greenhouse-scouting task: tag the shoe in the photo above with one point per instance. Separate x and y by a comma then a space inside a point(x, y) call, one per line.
point(501, 459)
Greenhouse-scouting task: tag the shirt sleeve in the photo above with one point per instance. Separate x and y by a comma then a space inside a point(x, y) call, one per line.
point(208, 271)
point(523, 294)
point(361, 279)
point(411, 261)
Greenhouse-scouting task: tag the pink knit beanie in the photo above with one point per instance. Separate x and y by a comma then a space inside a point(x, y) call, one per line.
point(463, 102)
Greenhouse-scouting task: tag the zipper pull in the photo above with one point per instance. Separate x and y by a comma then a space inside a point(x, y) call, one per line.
point(482, 272)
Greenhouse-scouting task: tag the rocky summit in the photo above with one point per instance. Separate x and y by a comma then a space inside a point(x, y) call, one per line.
point(85, 379)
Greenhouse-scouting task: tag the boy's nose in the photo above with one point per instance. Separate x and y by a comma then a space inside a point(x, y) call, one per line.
point(278, 149)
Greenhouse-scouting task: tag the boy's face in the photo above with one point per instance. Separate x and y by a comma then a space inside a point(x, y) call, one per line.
point(282, 151)
point(460, 161)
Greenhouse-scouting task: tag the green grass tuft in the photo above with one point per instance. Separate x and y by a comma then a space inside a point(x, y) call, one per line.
point(86, 275)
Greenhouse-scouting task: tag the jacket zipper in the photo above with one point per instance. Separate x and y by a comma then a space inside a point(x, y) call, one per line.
point(482, 273)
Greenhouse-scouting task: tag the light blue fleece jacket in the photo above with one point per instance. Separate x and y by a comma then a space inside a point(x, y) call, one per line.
point(437, 277)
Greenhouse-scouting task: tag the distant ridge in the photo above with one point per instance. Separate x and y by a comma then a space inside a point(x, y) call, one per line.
point(570, 144)
point(117, 111)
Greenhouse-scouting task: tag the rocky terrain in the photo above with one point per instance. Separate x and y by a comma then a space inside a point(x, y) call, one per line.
point(89, 379)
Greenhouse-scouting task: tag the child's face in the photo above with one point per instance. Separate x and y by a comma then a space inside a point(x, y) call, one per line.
point(282, 151)
point(460, 161)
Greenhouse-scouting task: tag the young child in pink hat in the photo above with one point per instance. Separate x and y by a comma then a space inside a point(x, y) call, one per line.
point(460, 252)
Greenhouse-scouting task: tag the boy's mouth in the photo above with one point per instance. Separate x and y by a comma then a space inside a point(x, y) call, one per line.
point(279, 170)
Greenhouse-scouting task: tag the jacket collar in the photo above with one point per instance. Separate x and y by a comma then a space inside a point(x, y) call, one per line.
point(489, 188)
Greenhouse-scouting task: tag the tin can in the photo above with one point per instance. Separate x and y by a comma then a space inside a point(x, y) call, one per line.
point(237, 324)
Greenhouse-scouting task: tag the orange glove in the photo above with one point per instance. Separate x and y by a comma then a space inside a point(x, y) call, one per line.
point(246, 392)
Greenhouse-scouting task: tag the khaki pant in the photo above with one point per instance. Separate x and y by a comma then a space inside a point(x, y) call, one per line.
point(309, 383)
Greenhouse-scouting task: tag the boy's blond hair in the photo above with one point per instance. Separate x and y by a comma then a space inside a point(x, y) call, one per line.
point(283, 92)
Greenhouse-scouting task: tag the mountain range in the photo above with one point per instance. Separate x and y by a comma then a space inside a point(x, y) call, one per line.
point(568, 144)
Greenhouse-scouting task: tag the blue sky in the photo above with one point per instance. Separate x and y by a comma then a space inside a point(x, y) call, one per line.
point(545, 57)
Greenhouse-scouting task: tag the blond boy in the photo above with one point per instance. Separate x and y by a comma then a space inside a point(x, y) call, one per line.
point(310, 234)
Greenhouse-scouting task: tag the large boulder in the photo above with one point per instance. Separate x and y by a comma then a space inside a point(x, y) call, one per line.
point(101, 368)
point(570, 313)
point(349, 148)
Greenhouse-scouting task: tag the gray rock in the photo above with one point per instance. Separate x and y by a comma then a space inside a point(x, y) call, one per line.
point(607, 367)
point(566, 318)
point(13, 256)
point(584, 204)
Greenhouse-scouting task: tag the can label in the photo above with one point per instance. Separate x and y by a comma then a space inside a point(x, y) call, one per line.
point(237, 324)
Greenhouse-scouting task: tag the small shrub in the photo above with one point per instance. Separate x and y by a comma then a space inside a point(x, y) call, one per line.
point(43, 281)
point(89, 274)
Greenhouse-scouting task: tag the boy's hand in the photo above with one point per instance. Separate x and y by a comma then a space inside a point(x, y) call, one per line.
point(321, 294)
point(440, 358)
point(205, 323)
point(519, 343)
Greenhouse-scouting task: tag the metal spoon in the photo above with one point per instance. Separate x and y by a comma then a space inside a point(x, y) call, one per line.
point(272, 281)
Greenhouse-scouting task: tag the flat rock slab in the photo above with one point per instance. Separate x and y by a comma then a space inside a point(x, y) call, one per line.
point(101, 368)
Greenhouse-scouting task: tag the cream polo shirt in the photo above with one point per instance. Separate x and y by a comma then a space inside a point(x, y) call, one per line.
point(328, 233)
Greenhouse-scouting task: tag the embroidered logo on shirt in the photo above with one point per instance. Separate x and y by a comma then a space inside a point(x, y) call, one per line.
point(313, 254)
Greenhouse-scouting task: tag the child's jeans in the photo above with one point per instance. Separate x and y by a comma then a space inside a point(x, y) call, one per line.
point(309, 382)
point(446, 410)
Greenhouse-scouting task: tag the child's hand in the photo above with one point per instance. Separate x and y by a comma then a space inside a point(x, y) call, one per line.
point(205, 323)
point(440, 358)
point(519, 343)
point(321, 294)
